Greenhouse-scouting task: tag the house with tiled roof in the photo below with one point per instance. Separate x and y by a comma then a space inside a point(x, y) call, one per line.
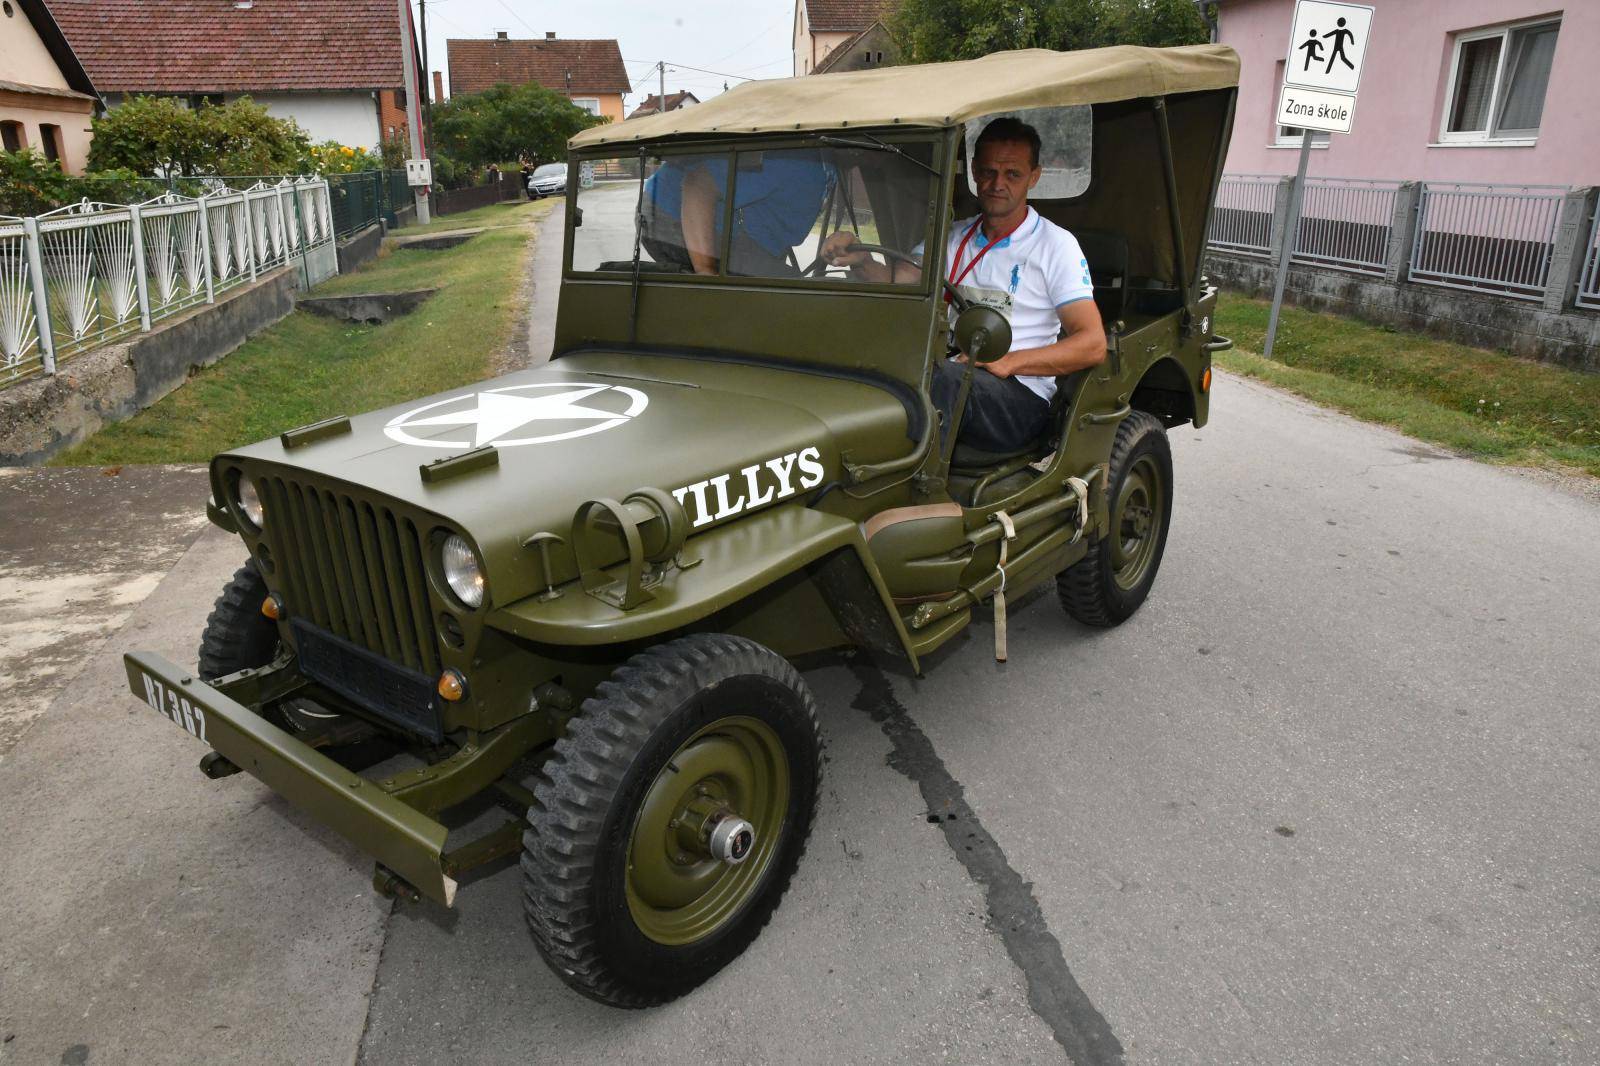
point(587, 72)
point(652, 103)
point(46, 97)
point(821, 27)
point(333, 66)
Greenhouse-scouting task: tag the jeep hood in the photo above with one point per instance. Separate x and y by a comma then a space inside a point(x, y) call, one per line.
point(725, 436)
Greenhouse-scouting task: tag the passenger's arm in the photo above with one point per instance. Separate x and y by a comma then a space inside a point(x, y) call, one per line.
point(699, 220)
point(1082, 344)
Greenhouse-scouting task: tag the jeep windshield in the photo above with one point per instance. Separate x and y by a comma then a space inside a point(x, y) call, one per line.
point(760, 211)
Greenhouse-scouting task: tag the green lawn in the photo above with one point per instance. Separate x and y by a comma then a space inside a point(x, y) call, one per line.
point(1481, 403)
point(502, 214)
point(308, 368)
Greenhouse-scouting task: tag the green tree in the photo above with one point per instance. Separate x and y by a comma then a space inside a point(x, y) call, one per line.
point(157, 134)
point(931, 31)
point(506, 122)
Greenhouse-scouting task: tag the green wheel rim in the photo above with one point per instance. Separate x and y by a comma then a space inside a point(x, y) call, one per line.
point(677, 893)
point(1136, 523)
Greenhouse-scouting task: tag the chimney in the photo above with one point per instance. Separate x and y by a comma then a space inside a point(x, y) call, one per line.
point(438, 86)
point(549, 36)
point(501, 35)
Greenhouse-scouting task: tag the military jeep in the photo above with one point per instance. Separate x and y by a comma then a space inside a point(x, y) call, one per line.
point(573, 592)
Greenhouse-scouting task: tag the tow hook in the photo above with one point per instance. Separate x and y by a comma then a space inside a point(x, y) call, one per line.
point(732, 840)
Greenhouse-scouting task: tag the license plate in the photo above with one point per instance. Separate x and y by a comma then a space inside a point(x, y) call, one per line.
point(171, 704)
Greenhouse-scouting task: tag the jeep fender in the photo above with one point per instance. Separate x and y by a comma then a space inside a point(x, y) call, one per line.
point(726, 566)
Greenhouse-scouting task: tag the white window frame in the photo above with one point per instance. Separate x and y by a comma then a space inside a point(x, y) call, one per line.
point(1490, 134)
point(590, 104)
point(1281, 139)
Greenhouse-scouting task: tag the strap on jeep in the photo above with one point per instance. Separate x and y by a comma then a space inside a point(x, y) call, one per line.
point(1000, 593)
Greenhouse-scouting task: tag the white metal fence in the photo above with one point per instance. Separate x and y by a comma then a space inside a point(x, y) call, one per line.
point(1489, 238)
point(1346, 222)
point(1589, 279)
point(78, 276)
point(1241, 220)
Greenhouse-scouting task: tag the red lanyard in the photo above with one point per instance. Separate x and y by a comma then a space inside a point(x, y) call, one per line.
point(962, 248)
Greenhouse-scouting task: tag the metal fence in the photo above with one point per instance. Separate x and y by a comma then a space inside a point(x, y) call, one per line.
point(1589, 279)
point(1346, 222)
point(81, 275)
point(358, 200)
point(1488, 238)
point(1241, 220)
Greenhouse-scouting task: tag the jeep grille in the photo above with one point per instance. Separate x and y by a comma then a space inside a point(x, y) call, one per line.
point(354, 569)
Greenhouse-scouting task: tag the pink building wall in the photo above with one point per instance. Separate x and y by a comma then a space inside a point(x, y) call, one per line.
point(1403, 92)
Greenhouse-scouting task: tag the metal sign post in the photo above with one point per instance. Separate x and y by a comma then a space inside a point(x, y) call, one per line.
point(1327, 43)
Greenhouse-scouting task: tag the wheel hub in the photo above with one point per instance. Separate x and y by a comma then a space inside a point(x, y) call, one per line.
point(706, 830)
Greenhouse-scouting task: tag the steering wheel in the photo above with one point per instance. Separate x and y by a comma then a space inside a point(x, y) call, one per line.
point(961, 302)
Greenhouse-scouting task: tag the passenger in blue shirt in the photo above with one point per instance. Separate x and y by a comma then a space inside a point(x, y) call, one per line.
point(776, 201)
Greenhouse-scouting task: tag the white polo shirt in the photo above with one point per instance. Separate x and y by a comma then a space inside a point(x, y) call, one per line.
point(1026, 276)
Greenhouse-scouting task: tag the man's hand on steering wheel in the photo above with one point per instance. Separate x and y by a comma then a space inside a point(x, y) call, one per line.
point(839, 249)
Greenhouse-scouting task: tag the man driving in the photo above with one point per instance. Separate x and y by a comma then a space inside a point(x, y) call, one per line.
point(776, 199)
point(1011, 258)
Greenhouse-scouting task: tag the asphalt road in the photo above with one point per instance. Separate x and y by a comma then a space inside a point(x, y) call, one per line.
point(1330, 797)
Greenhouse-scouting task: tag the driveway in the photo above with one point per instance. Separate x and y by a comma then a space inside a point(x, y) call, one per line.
point(1330, 797)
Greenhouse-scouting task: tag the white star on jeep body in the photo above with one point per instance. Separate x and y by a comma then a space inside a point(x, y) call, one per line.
point(497, 415)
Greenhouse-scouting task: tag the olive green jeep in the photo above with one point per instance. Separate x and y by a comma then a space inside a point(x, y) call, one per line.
point(574, 591)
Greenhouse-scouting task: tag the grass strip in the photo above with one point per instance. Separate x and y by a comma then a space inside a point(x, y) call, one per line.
point(1484, 404)
point(307, 367)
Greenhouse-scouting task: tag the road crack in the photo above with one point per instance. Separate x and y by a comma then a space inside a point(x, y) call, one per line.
point(1014, 912)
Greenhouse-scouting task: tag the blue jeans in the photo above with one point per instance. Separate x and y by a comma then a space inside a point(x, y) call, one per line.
point(1002, 414)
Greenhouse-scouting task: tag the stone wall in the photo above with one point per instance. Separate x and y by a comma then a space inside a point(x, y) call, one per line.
point(1569, 337)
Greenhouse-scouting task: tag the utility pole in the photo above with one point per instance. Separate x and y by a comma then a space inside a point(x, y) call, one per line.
point(427, 75)
point(419, 174)
point(661, 101)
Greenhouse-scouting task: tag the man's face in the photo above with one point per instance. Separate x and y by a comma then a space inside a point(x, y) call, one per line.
point(1004, 172)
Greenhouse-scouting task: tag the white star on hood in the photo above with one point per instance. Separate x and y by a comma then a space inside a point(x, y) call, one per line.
point(500, 413)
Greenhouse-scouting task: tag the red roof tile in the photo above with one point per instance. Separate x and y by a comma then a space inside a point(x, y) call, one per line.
point(595, 66)
point(839, 16)
point(207, 46)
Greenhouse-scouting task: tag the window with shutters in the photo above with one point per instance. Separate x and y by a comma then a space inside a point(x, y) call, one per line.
point(1497, 83)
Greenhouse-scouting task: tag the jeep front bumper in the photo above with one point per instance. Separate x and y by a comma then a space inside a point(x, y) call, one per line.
point(398, 836)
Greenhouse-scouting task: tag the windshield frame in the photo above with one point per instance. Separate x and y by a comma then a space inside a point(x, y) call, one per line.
point(937, 189)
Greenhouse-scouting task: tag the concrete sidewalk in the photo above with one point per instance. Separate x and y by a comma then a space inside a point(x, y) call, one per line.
point(80, 548)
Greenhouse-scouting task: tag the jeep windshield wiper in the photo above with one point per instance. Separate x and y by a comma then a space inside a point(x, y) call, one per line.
point(872, 144)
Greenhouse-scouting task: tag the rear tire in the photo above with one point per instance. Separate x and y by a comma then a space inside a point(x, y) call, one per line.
point(624, 903)
point(1108, 585)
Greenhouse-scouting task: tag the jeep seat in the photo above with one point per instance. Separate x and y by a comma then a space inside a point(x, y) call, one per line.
point(967, 459)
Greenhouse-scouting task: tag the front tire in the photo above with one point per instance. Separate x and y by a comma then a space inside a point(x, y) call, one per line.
point(237, 635)
point(1108, 585)
point(626, 895)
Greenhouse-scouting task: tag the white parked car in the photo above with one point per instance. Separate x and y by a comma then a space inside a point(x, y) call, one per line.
point(548, 180)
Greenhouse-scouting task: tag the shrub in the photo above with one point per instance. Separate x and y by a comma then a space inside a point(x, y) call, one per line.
point(158, 135)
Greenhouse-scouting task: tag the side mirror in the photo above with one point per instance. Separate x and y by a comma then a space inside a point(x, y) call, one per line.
point(577, 217)
point(983, 333)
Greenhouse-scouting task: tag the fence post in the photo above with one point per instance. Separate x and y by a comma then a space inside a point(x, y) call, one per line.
point(205, 249)
point(141, 278)
point(41, 300)
point(1402, 232)
point(1571, 248)
point(1280, 217)
point(305, 242)
point(249, 232)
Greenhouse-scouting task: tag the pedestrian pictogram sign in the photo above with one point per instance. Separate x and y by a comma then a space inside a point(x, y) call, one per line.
point(1327, 43)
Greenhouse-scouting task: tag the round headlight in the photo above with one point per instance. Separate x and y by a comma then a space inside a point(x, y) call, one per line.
point(250, 503)
point(462, 571)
